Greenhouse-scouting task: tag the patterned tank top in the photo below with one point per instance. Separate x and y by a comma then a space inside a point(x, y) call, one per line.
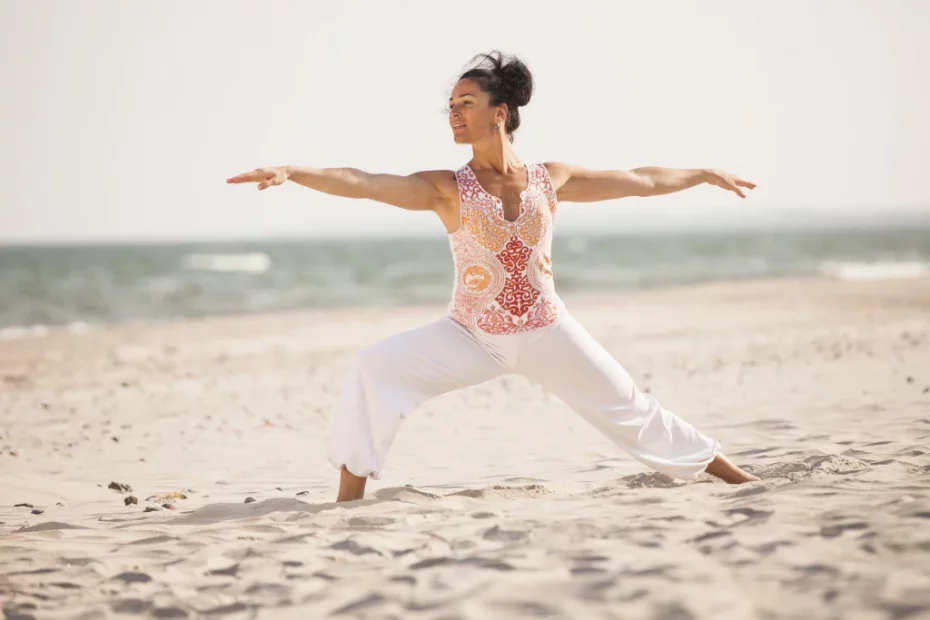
point(503, 270)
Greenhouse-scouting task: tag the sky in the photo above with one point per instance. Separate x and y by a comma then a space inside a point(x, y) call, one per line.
point(120, 121)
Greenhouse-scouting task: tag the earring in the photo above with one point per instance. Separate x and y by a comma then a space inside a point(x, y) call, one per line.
point(497, 127)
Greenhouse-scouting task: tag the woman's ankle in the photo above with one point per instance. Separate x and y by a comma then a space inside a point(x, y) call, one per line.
point(351, 487)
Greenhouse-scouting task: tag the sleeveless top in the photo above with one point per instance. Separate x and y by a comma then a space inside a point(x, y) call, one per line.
point(503, 270)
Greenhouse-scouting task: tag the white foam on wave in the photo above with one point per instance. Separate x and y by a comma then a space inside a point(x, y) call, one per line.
point(880, 270)
point(14, 332)
point(253, 262)
point(23, 331)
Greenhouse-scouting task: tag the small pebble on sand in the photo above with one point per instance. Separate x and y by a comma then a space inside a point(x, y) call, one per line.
point(130, 499)
point(249, 500)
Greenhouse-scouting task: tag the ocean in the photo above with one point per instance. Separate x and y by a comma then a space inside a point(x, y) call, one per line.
point(82, 287)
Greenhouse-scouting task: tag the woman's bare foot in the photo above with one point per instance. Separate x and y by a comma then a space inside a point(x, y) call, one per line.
point(722, 468)
point(351, 487)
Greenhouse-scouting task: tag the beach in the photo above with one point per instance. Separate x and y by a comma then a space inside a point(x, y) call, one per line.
point(497, 501)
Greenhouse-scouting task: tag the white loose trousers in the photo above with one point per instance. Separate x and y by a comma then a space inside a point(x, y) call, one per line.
point(391, 378)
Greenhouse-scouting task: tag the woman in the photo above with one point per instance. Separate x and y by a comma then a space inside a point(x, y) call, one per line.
point(505, 316)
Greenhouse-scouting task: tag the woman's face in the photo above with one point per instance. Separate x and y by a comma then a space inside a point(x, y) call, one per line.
point(471, 115)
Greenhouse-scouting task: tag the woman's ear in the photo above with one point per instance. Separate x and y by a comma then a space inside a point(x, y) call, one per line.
point(501, 115)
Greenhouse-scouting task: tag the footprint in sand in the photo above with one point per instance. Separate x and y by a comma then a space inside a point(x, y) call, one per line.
point(370, 523)
point(132, 577)
point(500, 535)
point(817, 465)
point(752, 517)
point(354, 548)
point(833, 531)
point(134, 606)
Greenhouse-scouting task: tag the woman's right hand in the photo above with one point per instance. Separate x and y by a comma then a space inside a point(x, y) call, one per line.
point(265, 177)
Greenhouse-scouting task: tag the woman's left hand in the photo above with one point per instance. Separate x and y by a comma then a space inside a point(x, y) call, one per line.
point(729, 182)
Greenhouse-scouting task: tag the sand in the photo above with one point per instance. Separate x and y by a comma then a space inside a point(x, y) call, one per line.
point(497, 501)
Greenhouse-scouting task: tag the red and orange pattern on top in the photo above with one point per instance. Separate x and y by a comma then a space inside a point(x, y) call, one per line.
point(503, 270)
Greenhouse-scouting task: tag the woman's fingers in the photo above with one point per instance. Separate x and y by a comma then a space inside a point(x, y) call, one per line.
point(732, 183)
point(246, 177)
point(272, 178)
point(734, 187)
point(729, 183)
point(251, 177)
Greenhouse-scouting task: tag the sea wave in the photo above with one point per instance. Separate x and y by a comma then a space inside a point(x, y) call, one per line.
point(15, 332)
point(878, 270)
point(253, 262)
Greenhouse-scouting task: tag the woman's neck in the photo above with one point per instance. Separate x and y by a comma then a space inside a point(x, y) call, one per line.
point(496, 153)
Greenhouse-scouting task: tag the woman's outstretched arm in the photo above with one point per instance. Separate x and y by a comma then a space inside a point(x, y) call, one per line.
point(420, 191)
point(575, 184)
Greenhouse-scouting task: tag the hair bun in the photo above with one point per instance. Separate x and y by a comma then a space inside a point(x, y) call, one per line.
point(515, 82)
point(516, 79)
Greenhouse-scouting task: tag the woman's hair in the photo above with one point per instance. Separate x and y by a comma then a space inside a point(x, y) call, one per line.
point(507, 80)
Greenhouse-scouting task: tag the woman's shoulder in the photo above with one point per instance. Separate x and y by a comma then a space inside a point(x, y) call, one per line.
point(557, 172)
point(443, 180)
